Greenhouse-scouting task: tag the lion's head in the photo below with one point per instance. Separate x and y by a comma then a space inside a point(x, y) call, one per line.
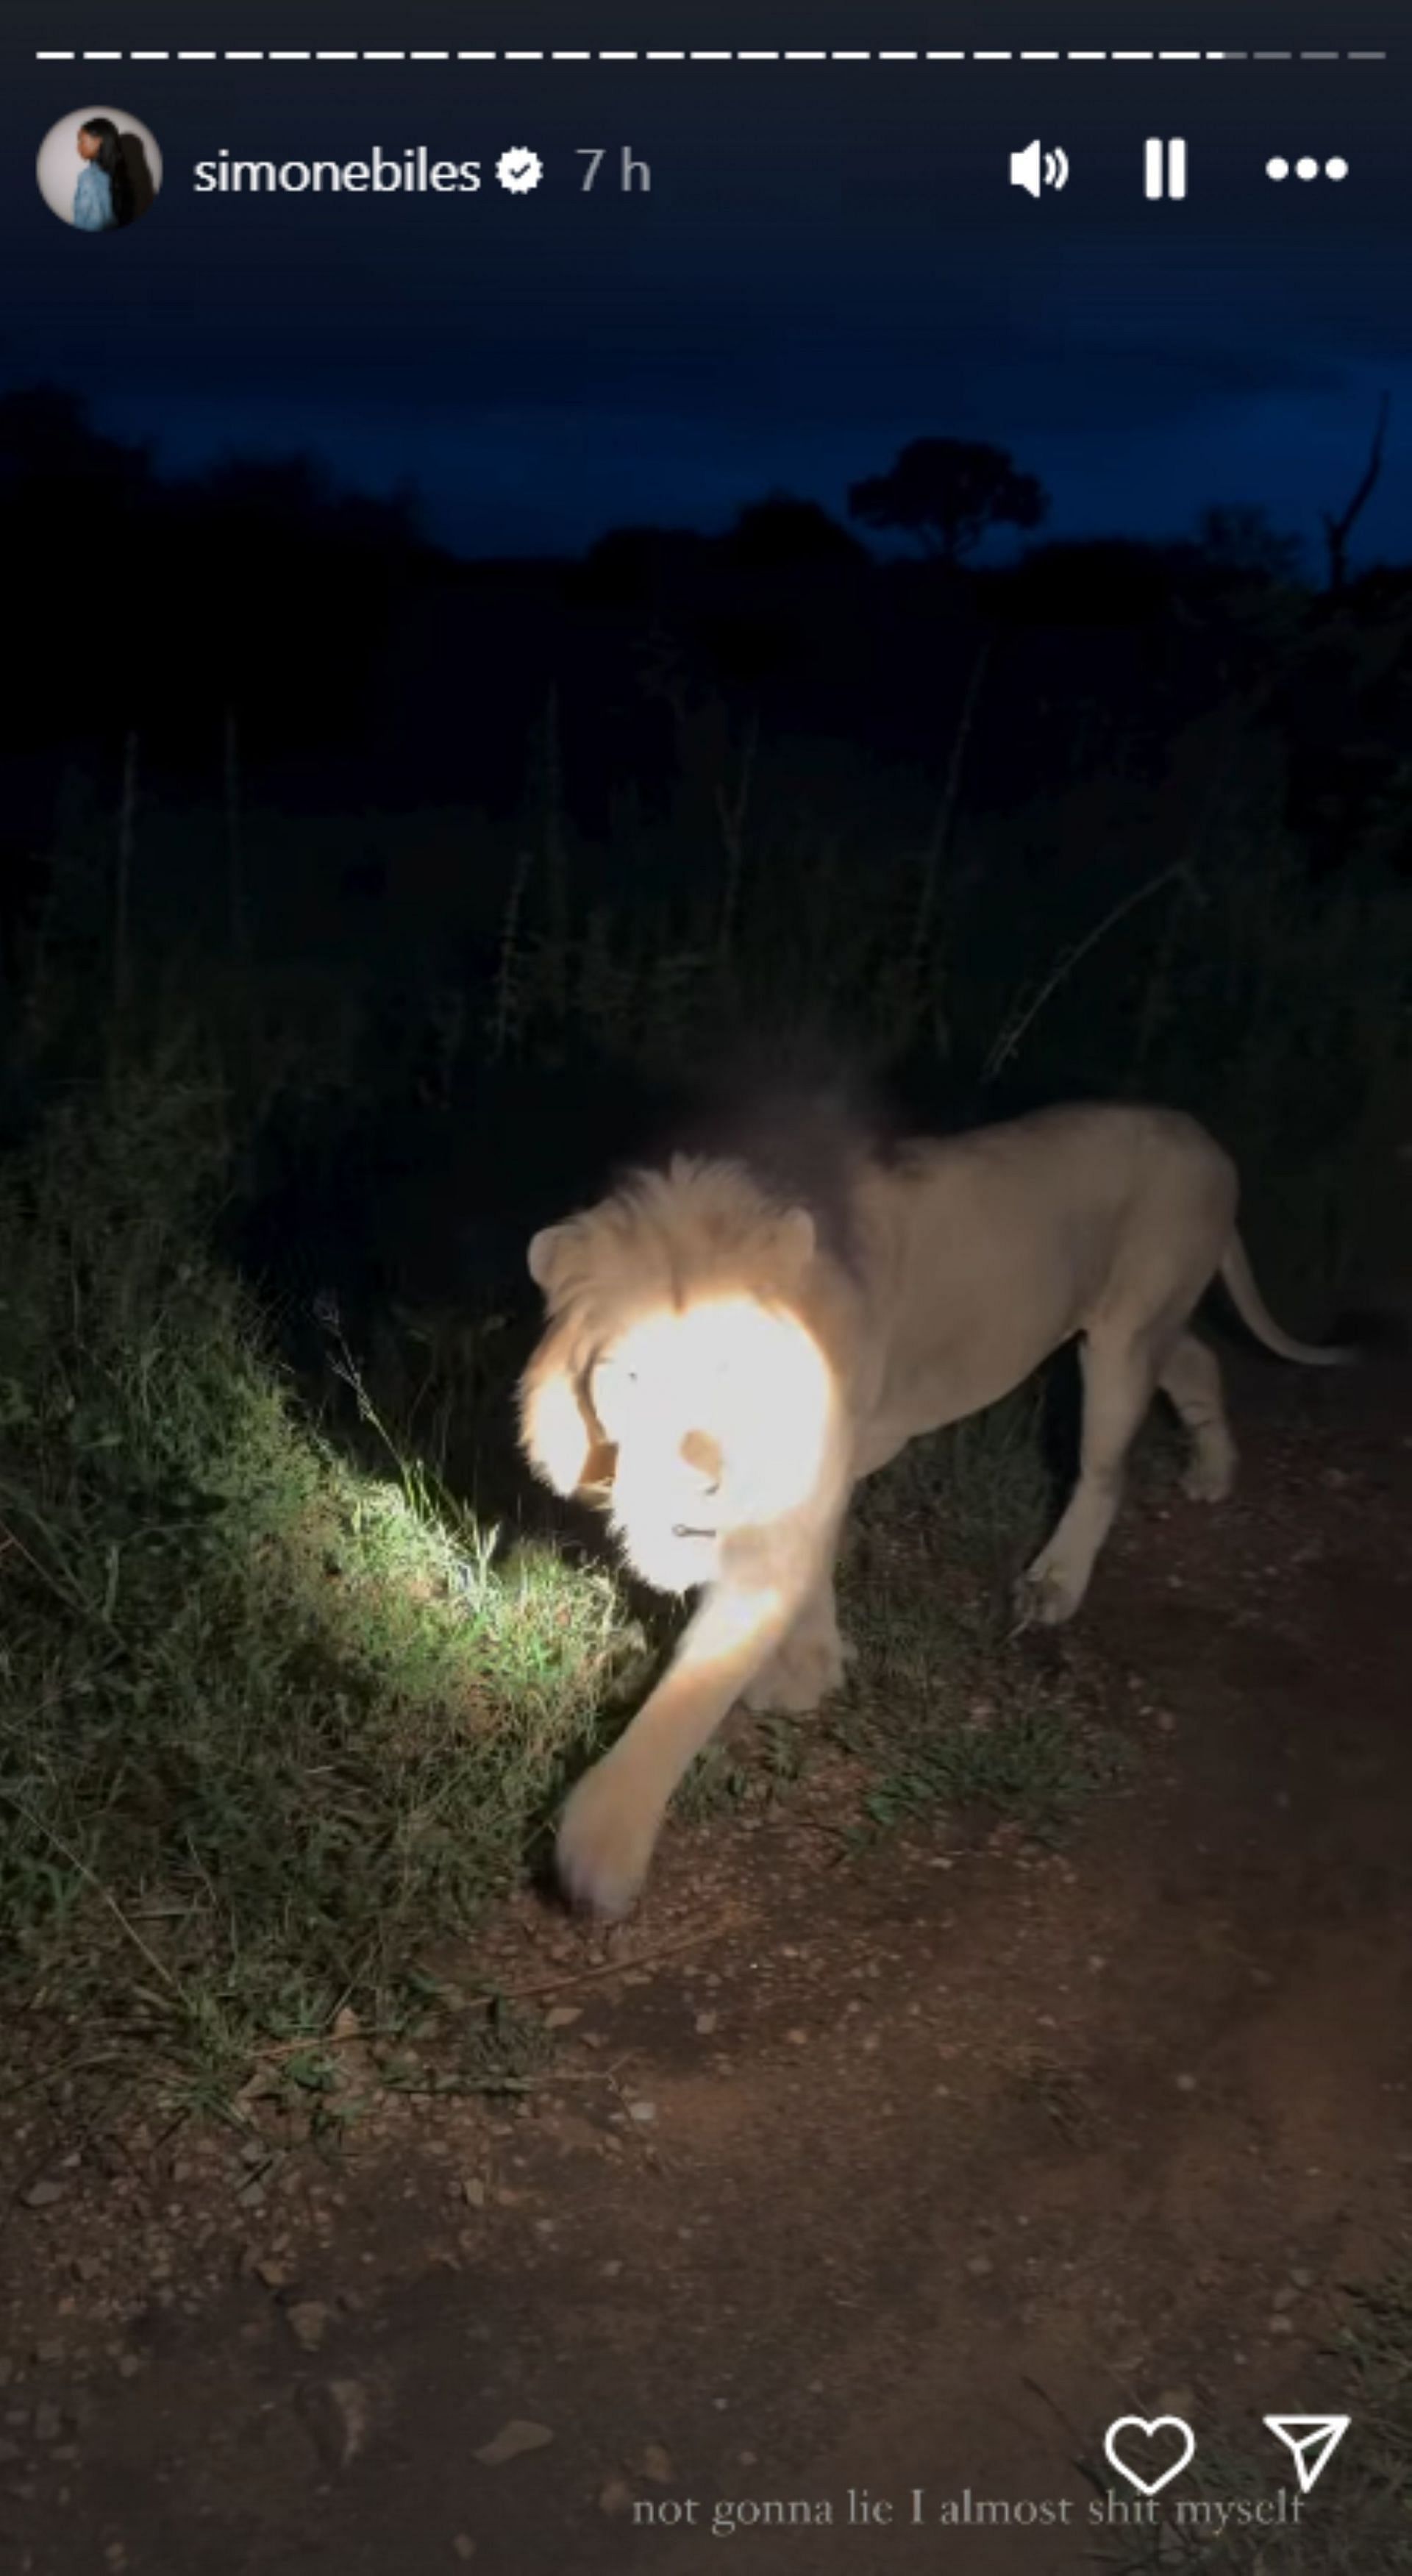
point(683, 1380)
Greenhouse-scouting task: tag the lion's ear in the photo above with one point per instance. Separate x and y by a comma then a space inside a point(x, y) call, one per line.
point(557, 1432)
point(544, 1255)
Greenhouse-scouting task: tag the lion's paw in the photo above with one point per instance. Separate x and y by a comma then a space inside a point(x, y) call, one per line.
point(1046, 1595)
point(1208, 1480)
point(605, 1842)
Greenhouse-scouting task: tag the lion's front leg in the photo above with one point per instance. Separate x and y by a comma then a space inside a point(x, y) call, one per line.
point(807, 1667)
point(612, 1818)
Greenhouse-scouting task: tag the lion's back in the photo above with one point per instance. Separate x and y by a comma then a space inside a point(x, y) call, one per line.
point(987, 1249)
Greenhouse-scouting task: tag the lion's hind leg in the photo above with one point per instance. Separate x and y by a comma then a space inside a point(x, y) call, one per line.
point(1190, 1377)
point(1119, 1373)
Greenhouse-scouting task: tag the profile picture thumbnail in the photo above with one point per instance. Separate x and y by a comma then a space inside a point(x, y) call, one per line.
point(99, 169)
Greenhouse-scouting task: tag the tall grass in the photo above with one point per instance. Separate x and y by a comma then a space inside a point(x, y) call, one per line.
point(267, 1722)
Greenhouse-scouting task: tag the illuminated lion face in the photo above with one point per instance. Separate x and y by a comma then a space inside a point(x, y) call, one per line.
point(717, 1418)
point(677, 1382)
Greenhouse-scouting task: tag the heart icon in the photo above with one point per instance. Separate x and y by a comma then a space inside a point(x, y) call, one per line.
point(1138, 2424)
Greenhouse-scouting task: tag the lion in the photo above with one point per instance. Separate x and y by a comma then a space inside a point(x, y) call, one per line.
point(723, 1361)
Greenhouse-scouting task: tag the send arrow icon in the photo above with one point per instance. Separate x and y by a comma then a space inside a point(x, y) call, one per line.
point(1311, 2440)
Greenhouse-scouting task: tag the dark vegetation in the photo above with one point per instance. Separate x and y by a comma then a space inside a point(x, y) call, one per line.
point(359, 902)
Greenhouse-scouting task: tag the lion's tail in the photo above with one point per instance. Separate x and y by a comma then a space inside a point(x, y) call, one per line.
point(1252, 1309)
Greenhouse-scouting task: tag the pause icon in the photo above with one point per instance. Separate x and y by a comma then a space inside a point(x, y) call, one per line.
point(1164, 167)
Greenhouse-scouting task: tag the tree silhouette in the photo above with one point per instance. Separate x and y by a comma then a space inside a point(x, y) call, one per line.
point(949, 493)
point(47, 438)
point(1339, 524)
point(784, 532)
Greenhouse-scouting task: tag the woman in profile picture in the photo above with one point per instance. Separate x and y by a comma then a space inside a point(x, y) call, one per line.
point(103, 194)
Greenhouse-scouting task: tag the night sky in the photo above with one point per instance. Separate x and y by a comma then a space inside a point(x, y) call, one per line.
point(830, 260)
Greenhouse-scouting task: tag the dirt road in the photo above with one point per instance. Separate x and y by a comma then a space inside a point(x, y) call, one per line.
point(907, 2170)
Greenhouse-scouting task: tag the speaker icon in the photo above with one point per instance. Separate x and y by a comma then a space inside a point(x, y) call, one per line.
point(1034, 168)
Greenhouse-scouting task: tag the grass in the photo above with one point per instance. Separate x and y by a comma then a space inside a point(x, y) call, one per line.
point(946, 1711)
point(267, 1722)
point(1358, 2521)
